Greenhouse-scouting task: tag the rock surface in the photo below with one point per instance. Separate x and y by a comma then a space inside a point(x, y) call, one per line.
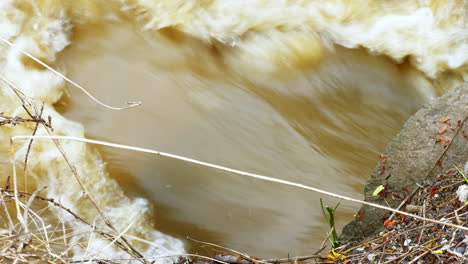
point(413, 156)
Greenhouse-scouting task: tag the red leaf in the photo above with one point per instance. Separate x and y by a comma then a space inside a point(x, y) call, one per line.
point(464, 133)
point(433, 191)
point(439, 164)
point(382, 169)
point(458, 123)
point(361, 215)
point(406, 189)
point(389, 222)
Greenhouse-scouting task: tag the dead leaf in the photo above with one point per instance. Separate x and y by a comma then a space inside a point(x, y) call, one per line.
point(330, 256)
point(464, 133)
point(446, 138)
point(444, 119)
point(406, 189)
point(394, 195)
point(383, 159)
point(411, 208)
point(443, 129)
point(382, 169)
point(361, 216)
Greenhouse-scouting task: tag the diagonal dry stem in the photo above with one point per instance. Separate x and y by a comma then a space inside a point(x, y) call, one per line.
point(243, 173)
point(128, 104)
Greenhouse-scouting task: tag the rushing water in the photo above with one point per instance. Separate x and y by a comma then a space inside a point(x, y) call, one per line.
point(276, 90)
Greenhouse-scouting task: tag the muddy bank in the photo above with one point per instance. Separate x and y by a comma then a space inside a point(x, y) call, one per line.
point(431, 142)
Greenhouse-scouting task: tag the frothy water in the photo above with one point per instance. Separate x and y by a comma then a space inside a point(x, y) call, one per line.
point(273, 88)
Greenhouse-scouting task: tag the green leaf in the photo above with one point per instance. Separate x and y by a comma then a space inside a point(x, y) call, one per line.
point(324, 212)
point(329, 215)
point(462, 174)
point(378, 190)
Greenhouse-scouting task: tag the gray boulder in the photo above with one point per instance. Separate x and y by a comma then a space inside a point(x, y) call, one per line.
point(413, 158)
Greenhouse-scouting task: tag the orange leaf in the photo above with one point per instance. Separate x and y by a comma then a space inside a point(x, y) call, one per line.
point(389, 222)
point(464, 133)
point(383, 159)
point(443, 129)
point(444, 119)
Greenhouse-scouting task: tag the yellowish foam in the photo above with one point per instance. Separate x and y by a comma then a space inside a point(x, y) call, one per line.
point(431, 33)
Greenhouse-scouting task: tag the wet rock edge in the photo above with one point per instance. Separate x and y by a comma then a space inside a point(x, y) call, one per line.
point(413, 158)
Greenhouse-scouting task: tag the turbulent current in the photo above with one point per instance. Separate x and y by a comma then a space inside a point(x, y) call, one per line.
point(306, 91)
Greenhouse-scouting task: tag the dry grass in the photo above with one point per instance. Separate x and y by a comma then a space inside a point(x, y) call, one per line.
point(44, 237)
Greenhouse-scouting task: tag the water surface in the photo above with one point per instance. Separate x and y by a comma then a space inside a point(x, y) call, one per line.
point(322, 124)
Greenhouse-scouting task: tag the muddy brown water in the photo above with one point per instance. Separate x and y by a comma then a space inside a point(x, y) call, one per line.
point(323, 125)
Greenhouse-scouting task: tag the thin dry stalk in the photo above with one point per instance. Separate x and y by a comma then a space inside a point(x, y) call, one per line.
point(324, 242)
point(243, 173)
point(228, 249)
point(128, 104)
point(98, 261)
point(104, 234)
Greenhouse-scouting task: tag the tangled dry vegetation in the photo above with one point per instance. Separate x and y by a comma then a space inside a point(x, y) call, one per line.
point(29, 232)
point(408, 240)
